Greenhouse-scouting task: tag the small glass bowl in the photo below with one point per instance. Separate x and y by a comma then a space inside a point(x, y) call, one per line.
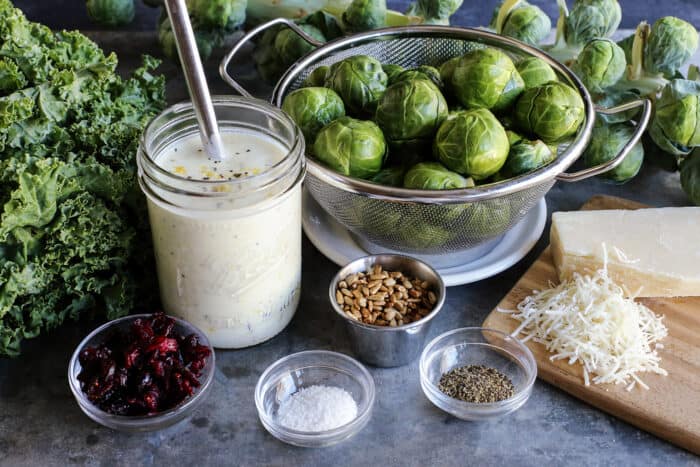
point(314, 367)
point(477, 346)
point(140, 423)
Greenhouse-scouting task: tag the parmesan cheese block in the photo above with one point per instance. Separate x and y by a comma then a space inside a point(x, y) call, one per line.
point(649, 252)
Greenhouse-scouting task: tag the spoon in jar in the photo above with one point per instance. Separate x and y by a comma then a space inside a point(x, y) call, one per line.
point(196, 80)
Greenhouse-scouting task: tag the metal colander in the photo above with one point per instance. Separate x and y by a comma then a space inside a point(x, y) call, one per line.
point(446, 223)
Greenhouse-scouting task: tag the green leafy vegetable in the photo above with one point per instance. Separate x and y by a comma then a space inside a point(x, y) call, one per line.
point(486, 78)
point(675, 127)
point(552, 112)
point(525, 156)
point(690, 177)
point(73, 230)
point(364, 15)
point(411, 110)
point(521, 20)
point(360, 81)
point(351, 147)
point(472, 143)
point(312, 109)
point(606, 143)
point(111, 13)
point(434, 176)
point(434, 11)
point(535, 72)
point(600, 64)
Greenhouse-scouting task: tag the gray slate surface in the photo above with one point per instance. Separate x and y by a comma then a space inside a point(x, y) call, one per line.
point(40, 423)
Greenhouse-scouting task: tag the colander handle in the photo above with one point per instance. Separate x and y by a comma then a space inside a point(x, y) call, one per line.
point(642, 123)
point(223, 66)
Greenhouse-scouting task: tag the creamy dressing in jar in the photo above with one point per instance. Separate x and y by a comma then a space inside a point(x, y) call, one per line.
point(228, 250)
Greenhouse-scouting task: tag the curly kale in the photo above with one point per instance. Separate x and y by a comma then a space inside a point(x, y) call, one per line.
point(74, 234)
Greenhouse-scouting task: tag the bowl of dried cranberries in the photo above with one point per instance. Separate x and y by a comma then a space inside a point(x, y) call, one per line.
point(142, 372)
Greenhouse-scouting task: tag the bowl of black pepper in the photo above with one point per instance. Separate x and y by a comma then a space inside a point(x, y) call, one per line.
point(142, 372)
point(477, 373)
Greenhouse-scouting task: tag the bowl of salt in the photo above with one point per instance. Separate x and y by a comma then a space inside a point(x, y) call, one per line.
point(315, 398)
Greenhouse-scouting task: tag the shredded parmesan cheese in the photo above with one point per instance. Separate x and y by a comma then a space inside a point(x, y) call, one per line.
point(587, 319)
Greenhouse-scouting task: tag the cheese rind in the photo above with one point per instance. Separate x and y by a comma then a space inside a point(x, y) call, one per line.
point(649, 252)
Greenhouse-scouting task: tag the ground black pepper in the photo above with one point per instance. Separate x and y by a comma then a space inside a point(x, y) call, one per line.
point(476, 383)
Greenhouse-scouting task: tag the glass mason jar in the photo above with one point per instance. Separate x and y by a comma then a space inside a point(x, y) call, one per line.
point(228, 252)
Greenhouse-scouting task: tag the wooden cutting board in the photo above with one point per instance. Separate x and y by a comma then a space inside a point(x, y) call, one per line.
point(670, 409)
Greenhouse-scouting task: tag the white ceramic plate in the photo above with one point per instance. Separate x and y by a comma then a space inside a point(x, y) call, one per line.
point(336, 243)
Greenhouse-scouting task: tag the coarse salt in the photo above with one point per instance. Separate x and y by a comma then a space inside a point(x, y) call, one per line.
point(317, 408)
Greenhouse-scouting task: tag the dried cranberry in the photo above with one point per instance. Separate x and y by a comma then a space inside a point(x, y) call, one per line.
point(162, 325)
point(149, 369)
point(163, 345)
point(142, 330)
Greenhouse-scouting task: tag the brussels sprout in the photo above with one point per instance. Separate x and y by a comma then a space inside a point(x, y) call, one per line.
point(553, 111)
point(488, 219)
point(364, 15)
point(266, 59)
point(513, 138)
point(206, 40)
point(390, 176)
point(612, 99)
point(111, 13)
point(411, 110)
point(312, 109)
point(520, 20)
point(606, 142)
point(535, 72)
point(626, 46)
point(324, 22)
point(410, 152)
point(226, 15)
point(657, 157)
point(690, 177)
point(671, 43)
point(421, 72)
point(486, 78)
point(423, 236)
point(290, 46)
point(351, 147)
point(525, 156)
point(600, 64)
point(446, 70)
point(434, 11)
point(472, 143)
point(392, 72)
point(317, 77)
point(675, 127)
point(360, 81)
point(591, 19)
point(434, 176)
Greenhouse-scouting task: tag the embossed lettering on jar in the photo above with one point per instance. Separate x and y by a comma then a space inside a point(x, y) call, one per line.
point(226, 234)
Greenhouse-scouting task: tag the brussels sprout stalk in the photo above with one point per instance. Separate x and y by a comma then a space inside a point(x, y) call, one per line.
point(657, 54)
point(587, 20)
point(506, 8)
point(637, 77)
point(560, 50)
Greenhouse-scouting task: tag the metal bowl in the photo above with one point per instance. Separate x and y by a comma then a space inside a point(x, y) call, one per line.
point(455, 225)
point(386, 346)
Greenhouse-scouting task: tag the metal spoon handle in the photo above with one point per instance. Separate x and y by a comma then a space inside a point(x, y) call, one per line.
point(195, 77)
